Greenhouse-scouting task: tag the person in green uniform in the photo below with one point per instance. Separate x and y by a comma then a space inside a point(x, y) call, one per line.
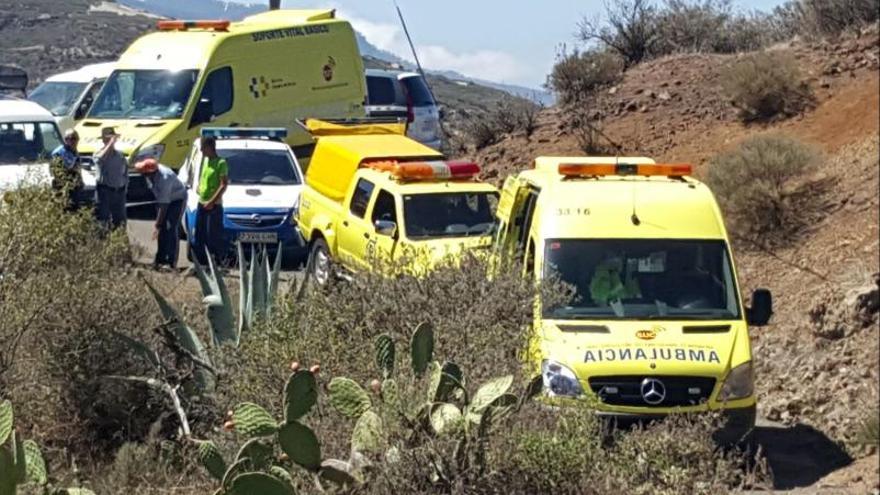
point(213, 179)
point(607, 285)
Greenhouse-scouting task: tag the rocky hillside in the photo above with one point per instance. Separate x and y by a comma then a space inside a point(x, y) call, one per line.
point(817, 363)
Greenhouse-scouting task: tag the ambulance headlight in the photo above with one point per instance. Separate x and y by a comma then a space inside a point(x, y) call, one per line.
point(560, 380)
point(153, 151)
point(739, 384)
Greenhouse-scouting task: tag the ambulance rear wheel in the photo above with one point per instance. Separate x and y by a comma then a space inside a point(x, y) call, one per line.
point(320, 264)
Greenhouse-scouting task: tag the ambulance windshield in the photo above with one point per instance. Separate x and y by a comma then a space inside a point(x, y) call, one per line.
point(643, 279)
point(461, 214)
point(144, 94)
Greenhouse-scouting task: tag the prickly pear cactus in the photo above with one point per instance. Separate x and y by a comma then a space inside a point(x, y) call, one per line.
point(260, 484)
point(385, 354)
point(210, 457)
point(253, 421)
point(347, 397)
point(300, 395)
point(446, 419)
point(367, 434)
point(6, 420)
point(422, 347)
point(490, 391)
point(444, 380)
point(301, 445)
point(258, 452)
point(35, 466)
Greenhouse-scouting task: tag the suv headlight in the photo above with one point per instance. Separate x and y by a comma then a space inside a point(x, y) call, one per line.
point(560, 380)
point(739, 384)
point(153, 151)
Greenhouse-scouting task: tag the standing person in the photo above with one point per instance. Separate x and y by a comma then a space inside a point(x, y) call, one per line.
point(213, 179)
point(170, 196)
point(111, 180)
point(65, 169)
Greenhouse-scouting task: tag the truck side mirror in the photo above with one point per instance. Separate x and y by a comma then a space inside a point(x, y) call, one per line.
point(386, 228)
point(759, 313)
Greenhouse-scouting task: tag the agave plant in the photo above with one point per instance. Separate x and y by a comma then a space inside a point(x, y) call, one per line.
point(21, 462)
point(218, 305)
point(261, 466)
point(258, 282)
point(449, 410)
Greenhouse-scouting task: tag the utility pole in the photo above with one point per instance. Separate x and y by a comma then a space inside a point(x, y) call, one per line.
point(274, 4)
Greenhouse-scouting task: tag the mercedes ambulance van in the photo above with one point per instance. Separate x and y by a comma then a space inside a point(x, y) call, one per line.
point(656, 324)
point(268, 70)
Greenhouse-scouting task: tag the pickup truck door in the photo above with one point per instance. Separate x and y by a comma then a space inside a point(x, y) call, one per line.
point(382, 248)
point(355, 230)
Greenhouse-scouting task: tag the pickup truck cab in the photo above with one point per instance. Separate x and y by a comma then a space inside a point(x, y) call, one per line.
point(265, 181)
point(656, 325)
point(373, 199)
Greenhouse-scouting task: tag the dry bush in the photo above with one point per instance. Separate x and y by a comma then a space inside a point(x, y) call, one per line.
point(578, 75)
point(760, 186)
point(765, 85)
point(629, 29)
point(825, 18)
point(509, 115)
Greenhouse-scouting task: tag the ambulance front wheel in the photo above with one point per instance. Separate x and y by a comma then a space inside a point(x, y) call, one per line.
point(320, 264)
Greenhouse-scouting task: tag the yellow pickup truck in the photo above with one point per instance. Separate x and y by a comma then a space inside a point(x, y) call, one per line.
point(656, 325)
point(372, 200)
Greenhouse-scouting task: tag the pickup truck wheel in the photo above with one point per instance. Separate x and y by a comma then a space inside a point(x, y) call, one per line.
point(320, 264)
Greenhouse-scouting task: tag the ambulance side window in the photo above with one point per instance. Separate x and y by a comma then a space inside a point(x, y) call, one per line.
point(361, 198)
point(216, 98)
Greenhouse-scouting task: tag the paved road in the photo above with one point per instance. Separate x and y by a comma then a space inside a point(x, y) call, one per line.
point(140, 232)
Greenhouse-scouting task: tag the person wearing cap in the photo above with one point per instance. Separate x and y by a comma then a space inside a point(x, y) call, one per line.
point(170, 195)
point(213, 179)
point(111, 180)
point(65, 168)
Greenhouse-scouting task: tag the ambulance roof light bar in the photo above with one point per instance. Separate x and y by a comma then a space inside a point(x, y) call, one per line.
point(273, 133)
point(625, 169)
point(430, 170)
point(177, 25)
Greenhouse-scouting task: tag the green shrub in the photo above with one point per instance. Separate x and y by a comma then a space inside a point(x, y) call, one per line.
point(578, 75)
point(765, 85)
point(757, 186)
point(824, 18)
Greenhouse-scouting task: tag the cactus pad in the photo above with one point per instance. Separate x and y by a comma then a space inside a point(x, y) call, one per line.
point(35, 465)
point(281, 473)
point(445, 418)
point(347, 397)
point(422, 347)
point(390, 393)
point(490, 391)
point(444, 380)
point(6, 420)
point(338, 472)
point(535, 386)
point(300, 395)
point(253, 421)
point(385, 354)
point(496, 411)
point(259, 484)
point(301, 445)
point(210, 457)
point(237, 467)
point(258, 452)
point(367, 433)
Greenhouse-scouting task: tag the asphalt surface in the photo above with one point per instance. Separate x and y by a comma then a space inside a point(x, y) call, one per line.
point(140, 232)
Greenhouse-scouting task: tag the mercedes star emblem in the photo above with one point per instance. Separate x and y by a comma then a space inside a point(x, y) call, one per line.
point(653, 391)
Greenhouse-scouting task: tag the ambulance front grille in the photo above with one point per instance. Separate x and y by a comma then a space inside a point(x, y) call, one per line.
point(627, 390)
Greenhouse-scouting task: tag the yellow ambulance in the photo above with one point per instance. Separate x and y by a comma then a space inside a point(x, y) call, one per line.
point(269, 70)
point(656, 324)
point(382, 200)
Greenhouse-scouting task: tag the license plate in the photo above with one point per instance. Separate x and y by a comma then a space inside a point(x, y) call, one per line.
point(259, 237)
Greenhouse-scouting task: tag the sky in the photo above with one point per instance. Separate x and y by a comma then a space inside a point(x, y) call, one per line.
point(506, 41)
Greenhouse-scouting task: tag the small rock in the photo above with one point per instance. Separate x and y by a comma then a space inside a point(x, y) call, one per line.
point(664, 96)
point(613, 90)
point(44, 17)
point(632, 106)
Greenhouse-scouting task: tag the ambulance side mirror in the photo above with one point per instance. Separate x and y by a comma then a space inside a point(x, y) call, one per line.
point(759, 313)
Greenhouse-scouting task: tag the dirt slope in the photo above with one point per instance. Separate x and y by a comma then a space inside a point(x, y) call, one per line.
point(817, 363)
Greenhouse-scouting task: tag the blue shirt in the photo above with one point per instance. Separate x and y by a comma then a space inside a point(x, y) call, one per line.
point(69, 158)
point(166, 186)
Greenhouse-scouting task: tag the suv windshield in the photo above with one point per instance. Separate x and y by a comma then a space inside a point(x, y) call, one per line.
point(144, 94)
point(449, 214)
point(57, 97)
point(643, 279)
point(265, 167)
point(26, 142)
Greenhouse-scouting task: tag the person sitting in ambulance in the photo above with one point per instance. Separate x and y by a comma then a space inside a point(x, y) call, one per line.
point(607, 285)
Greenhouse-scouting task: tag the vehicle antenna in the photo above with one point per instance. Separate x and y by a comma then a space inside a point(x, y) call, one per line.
point(418, 63)
point(634, 217)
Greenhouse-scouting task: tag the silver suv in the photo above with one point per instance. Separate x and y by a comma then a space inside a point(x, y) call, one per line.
point(405, 94)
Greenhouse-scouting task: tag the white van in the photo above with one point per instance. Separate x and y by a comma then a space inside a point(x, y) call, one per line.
point(28, 135)
point(69, 95)
point(406, 95)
